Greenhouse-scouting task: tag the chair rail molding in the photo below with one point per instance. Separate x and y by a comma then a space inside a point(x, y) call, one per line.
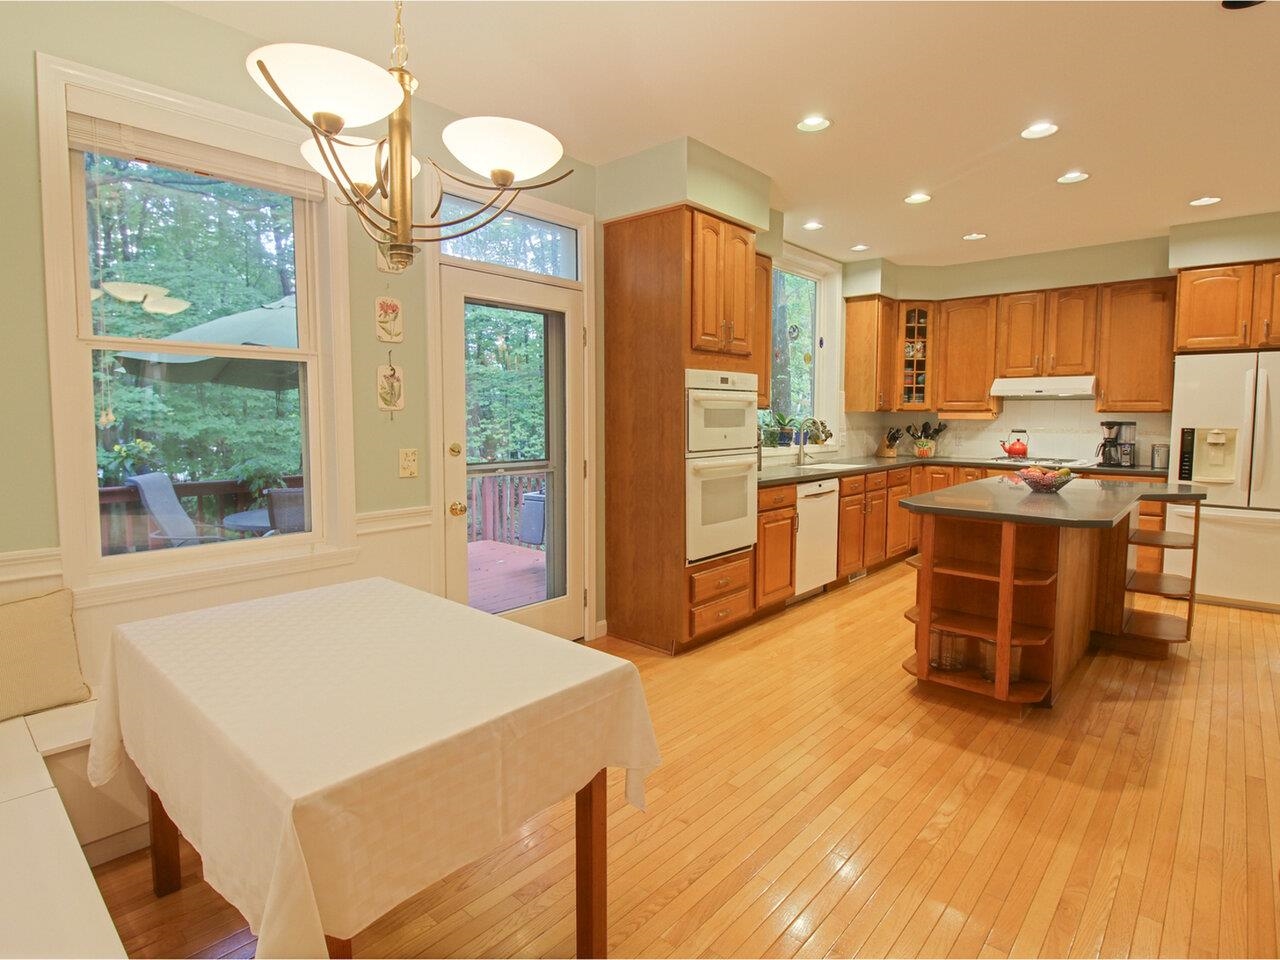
point(20, 565)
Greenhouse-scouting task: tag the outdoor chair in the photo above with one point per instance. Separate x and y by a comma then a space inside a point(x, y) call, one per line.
point(173, 527)
point(287, 509)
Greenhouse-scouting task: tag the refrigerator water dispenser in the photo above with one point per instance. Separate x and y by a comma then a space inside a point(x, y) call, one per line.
point(1215, 455)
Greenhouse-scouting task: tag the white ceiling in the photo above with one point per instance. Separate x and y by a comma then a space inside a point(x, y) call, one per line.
point(1160, 101)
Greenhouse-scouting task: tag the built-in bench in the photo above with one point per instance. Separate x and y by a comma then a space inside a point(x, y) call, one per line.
point(49, 902)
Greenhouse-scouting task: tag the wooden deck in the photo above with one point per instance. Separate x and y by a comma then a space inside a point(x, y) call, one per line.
point(812, 802)
point(503, 576)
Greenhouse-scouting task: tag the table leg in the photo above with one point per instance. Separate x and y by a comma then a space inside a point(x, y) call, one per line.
point(589, 828)
point(338, 949)
point(166, 865)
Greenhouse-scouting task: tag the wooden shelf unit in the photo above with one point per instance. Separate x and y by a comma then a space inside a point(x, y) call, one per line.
point(1020, 691)
point(983, 570)
point(1151, 632)
point(1162, 538)
point(983, 628)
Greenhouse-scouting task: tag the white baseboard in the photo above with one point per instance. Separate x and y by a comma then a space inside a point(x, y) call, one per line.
point(602, 627)
point(117, 845)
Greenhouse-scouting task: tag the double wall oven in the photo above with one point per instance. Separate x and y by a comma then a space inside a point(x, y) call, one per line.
point(720, 462)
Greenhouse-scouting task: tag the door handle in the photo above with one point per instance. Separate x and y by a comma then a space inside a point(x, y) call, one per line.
point(455, 449)
point(458, 508)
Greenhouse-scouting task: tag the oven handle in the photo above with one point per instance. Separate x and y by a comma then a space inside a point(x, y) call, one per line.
point(716, 400)
point(724, 467)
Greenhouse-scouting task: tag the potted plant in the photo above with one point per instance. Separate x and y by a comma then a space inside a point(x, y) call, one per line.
point(786, 429)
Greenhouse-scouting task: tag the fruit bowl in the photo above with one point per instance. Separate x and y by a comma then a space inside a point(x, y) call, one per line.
point(1045, 481)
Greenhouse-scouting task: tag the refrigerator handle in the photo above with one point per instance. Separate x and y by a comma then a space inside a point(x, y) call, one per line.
point(1250, 394)
point(1262, 429)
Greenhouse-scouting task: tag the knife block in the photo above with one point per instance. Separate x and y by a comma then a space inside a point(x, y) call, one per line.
point(884, 450)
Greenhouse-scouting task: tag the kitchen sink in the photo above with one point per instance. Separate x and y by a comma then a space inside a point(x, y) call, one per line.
point(817, 467)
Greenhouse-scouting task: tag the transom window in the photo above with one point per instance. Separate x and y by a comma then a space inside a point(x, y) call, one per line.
point(192, 342)
point(514, 240)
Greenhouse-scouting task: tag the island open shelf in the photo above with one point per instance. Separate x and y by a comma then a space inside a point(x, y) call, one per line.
point(1013, 587)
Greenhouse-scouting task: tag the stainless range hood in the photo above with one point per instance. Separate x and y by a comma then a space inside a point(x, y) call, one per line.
point(1043, 388)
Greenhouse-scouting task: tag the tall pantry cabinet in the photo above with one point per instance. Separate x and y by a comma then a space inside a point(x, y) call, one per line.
point(681, 290)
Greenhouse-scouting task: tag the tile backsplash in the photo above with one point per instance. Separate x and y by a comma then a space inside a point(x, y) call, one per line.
point(1057, 428)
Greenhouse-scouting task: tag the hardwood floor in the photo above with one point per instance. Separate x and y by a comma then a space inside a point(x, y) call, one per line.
point(811, 802)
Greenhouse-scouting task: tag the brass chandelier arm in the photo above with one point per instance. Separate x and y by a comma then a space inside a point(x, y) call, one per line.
point(472, 229)
point(440, 224)
point(489, 186)
point(356, 202)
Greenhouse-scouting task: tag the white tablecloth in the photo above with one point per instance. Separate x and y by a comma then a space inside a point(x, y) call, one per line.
point(332, 752)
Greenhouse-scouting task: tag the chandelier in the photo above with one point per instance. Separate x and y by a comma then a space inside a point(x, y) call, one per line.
point(330, 90)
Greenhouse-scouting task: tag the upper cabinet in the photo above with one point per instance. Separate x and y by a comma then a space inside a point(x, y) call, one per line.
point(1070, 331)
point(964, 357)
point(1266, 304)
point(1049, 333)
point(912, 364)
point(870, 350)
point(1135, 346)
point(1020, 334)
point(762, 327)
point(723, 286)
point(1215, 305)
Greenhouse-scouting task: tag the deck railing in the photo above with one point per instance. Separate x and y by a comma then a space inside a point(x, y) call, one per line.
point(126, 527)
point(494, 502)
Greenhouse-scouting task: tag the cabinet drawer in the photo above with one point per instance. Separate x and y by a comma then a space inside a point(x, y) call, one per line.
point(708, 584)
point(719, 613)
point(770, 498)
point(878, 481)
point(852, 486)
point(900, 476)
point(1151, 508)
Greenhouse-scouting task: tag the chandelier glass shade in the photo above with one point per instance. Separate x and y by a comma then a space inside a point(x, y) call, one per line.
point(328, 91)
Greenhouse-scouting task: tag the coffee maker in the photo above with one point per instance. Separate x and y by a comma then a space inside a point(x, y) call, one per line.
point(1119, 447)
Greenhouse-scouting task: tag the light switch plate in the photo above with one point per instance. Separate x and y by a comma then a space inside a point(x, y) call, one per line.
point(408, 462)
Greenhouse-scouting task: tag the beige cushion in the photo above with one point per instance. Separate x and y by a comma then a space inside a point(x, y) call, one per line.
point(39, 661)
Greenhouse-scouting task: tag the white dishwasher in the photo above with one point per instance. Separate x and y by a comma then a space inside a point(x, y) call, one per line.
point(818, 517)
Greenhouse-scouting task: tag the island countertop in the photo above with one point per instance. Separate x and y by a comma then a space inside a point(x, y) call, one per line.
point(1081, 503)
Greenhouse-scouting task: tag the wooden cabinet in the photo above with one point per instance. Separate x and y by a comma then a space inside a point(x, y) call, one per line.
point(870, 345)
point(723, 286)
point(852, 528)
point(967, 474)
point(775, 556)
point(762, 328)
point(898, 521)
point(874, 544)
point(1070, 331)
point(919, 484)
point(913, 363)
point(1215, 305)
point(964, 357)
point(938, 477)
point(1135, 346)
point(1019, 334)
point(1266, 305)
point(719, 595)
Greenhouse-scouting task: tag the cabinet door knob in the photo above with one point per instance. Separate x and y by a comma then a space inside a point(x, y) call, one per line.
point(722, 614)
point(1053, 361)
point(722, 582)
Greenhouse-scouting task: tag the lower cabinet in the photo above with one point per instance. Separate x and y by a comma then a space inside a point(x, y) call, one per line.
point(775, 556)
point(874, 542)
point(898, 523)
point(966, 474)
point(719, 594)
point(853, 526)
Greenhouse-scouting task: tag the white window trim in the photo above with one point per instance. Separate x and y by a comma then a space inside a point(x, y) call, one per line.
point(828, 370)
point(63, 86)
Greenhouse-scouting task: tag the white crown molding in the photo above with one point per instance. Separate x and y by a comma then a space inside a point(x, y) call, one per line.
point(386, 521)
point(30, 564)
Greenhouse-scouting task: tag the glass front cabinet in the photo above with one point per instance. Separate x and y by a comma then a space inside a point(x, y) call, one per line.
point(915, 324)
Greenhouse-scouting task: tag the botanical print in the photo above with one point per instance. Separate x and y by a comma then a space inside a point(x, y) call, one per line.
point(390, 388)
point(388, 320)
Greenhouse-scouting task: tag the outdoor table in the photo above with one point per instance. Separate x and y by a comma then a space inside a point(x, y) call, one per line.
point(332, 752)
point(248, 521)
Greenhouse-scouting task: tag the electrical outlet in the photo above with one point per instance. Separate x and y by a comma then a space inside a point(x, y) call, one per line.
point(408, 462)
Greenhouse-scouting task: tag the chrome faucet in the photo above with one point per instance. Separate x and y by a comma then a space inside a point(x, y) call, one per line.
point(805, 424)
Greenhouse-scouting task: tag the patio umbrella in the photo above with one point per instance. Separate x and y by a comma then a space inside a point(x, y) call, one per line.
point(271, 325)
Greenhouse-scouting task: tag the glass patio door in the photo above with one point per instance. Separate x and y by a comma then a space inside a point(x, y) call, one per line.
point(512, 429)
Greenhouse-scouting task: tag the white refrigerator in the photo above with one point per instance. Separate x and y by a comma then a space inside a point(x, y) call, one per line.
point(1226, 414)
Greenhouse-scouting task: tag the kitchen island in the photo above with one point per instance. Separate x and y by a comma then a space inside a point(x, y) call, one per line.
point(1013, 586)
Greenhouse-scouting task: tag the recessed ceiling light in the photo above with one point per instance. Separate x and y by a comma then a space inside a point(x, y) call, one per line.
point(917, 197)
point(813, 123)
point(974, 236)
point(1039, 130)
point(1073, 176)
point(1204, 201)
point(859, 247)
point(812, 225)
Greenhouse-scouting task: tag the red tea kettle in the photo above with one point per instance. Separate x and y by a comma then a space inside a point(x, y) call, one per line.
point(1016, 446)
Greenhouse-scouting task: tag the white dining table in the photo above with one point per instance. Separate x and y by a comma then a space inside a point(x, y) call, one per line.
point(332, 752)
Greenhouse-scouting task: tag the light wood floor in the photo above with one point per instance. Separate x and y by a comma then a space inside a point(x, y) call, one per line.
point(812, 803)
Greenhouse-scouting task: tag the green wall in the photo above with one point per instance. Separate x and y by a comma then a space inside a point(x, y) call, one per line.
point(165, 45)
point(1225, 241)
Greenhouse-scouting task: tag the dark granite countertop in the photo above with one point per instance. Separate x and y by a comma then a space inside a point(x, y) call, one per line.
point(1081, 503)
point(773, 475)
